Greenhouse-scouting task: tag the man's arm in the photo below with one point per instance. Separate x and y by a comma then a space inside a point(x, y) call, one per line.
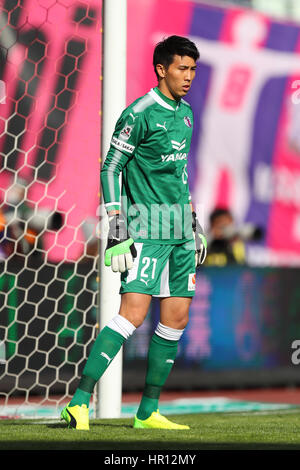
point(129, 131)
point(110, 178)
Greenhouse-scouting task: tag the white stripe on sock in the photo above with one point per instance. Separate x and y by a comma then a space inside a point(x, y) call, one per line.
point(168, 333)
point(122, 326)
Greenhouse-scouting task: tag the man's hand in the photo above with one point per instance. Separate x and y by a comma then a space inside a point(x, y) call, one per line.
point(120, 249)
point(200, 241)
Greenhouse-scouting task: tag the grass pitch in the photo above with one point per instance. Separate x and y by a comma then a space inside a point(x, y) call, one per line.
point(212, 431)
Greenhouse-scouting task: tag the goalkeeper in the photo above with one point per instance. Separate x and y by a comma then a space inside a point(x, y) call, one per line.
point(155, 239)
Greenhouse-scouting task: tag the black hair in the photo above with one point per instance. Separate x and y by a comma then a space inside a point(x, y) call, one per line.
point(173, 45)
point(217, 212)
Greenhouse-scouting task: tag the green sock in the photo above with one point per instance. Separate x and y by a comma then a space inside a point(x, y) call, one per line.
point(81, 397)
point(107, 345)
point(161, 356)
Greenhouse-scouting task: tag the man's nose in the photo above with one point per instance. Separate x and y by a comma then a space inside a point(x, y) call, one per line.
point(188, 75)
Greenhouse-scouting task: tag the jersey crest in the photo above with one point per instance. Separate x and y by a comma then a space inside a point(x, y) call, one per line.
point(187, 121)
point(126, 132)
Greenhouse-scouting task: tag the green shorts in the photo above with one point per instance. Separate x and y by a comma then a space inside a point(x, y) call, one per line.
point(161, 271)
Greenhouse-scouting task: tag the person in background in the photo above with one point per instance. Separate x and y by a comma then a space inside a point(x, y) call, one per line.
point(225, 244)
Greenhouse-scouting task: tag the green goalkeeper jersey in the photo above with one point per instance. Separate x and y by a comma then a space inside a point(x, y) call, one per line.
point(149, 147)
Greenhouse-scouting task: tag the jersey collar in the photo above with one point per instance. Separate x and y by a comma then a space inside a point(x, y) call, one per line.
point(163, 100)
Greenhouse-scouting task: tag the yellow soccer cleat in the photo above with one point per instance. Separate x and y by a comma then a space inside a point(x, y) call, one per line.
point(77, 417)
point(157, 421)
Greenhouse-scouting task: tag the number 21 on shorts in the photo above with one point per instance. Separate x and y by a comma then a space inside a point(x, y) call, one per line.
point(149, 266)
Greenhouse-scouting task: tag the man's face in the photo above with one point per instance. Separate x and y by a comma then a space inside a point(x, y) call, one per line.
point(179, 75)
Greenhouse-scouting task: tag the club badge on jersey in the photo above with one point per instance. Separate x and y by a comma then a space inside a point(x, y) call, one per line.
point(187, 121)
point(126, 132)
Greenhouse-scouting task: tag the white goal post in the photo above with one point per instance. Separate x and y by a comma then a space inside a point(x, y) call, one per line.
point(54, 290)
point(114, 101)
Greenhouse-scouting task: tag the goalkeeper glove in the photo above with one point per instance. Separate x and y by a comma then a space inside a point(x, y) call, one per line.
point(200, 241)
point(120, 249)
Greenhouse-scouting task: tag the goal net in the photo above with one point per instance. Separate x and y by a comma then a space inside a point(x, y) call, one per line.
point(49, 194)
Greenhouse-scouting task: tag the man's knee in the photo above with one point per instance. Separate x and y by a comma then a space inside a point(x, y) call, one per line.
point(181, 320)
point(134, 307)
point(175, 312)
point(136, 318)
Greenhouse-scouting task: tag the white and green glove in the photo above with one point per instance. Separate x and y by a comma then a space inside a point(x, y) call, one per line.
point(200, 241)
point(120, 249)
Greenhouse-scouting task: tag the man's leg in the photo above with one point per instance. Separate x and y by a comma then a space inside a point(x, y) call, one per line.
point(133, 309)
point(162, 352)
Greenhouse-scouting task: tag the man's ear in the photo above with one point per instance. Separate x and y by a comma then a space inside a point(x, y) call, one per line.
point(161, 70)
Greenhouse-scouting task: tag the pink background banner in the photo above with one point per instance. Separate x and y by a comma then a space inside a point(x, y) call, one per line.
point(64, 109)
point(245, 149)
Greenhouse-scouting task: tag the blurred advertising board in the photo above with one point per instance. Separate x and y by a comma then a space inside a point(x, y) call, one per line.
point(243, 322)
